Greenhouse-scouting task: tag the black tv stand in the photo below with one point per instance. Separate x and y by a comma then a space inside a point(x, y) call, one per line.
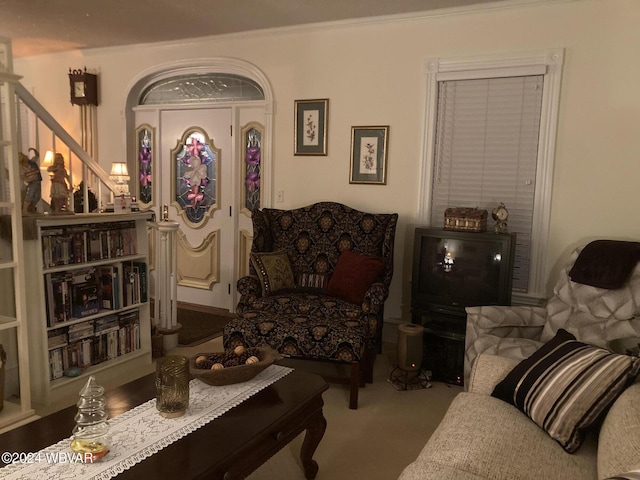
point(444, 335)
point(453, 270)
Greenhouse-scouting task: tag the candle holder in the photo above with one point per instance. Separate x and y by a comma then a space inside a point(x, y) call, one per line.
point(172, 386)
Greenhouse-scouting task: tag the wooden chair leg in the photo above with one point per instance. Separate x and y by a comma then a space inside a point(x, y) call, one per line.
point(355, 385)
point(368, 364)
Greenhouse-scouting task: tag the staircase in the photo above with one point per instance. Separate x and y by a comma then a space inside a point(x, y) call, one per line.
point(26, 126)
point(38, 130)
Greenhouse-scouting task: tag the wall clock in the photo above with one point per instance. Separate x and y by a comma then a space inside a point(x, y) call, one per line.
point(83, 87)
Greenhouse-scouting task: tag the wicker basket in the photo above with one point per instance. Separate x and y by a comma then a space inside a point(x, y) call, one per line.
point(237, 374)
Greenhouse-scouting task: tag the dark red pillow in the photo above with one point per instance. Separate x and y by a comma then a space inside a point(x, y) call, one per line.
point(353, 275)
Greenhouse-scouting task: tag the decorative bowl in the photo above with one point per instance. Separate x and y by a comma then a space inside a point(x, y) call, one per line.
point(234, 374)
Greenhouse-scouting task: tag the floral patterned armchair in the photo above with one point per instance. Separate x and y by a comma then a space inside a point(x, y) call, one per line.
point(588, 302)
point(319, 277)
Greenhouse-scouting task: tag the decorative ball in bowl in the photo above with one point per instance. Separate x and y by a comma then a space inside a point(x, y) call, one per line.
point(234, 365)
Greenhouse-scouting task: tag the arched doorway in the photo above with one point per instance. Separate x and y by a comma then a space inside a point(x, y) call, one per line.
point(193, 131)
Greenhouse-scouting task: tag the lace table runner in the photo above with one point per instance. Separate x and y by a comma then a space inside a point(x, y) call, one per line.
point(140, 432)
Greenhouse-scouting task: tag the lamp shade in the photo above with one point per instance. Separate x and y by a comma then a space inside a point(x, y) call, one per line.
point(48, 159)
point(119, 169)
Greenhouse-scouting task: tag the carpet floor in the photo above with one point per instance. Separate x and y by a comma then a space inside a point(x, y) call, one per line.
point(374, 442)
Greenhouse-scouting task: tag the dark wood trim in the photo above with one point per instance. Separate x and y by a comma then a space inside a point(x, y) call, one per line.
point(231, 446)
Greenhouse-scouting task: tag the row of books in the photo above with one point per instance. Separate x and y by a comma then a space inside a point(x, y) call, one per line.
point(87, 291)
point(85, 243)
point(92, 342)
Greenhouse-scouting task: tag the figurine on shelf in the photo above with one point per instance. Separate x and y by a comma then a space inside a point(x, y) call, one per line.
point(60, 185)
point(32, 178)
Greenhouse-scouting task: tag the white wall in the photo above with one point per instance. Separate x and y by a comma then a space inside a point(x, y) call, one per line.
point(373, 75)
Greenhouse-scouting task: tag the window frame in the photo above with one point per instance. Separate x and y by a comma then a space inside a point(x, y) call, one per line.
point(546, 62)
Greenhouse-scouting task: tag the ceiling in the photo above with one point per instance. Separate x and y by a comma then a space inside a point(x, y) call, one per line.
point(39, 27)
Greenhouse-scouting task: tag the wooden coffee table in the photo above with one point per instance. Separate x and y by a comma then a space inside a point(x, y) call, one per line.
point(231, 446)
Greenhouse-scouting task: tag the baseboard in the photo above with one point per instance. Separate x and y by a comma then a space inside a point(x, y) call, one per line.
point(204, 308)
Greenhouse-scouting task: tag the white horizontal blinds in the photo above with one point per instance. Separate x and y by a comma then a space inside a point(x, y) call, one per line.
point(486, 152)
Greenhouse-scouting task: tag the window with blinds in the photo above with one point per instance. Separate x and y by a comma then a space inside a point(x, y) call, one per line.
point(486, 150)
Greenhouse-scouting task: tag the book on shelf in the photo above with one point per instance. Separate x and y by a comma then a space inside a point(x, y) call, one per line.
point(95, 244)
point(78, 331)
point(105, 242)
point(129, 333)
point(58, 247)
point(129, 238)
point(134, 283)
point(92, 342)
point(106, 338)
point(106, 323)
point(88, 242)
point(58, 287)
point(50, 246)
point(78, 354)
point(85, 296)
point(78, 235)
point(56, 364)
point(108, 280)
point(57, 338)
point(142, 283)
point(105, 345)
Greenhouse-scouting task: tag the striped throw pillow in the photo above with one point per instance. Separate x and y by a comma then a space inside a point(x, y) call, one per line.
point(313, 280)
point(565, 386)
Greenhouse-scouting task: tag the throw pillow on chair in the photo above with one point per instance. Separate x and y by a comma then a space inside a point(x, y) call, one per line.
point(274, 272)
point(353, 275)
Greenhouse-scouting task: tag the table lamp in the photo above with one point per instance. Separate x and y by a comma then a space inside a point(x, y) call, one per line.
point(120, 176)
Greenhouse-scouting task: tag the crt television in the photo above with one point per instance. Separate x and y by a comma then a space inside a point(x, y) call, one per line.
point(453, 270)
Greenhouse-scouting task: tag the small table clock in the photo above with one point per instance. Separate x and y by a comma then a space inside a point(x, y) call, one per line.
point(500, 214)
point(83, 87)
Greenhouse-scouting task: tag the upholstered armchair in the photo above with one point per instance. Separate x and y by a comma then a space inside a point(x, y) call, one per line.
point(319, 277)
point(596, 298)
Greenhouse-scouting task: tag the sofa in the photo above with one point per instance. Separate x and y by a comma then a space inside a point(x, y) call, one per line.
point(483, 437)
point(318, 279)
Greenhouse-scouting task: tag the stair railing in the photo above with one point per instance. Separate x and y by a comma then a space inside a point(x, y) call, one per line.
point(87, 171)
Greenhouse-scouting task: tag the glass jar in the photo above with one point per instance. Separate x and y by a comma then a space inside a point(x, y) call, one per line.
point(172, 385)
point(90, 435)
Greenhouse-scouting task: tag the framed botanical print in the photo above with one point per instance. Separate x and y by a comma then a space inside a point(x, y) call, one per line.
point(369, 155)
point(310, 136)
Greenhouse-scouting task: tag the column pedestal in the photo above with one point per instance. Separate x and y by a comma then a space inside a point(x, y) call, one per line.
point(166, 297)
point(169, 338)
